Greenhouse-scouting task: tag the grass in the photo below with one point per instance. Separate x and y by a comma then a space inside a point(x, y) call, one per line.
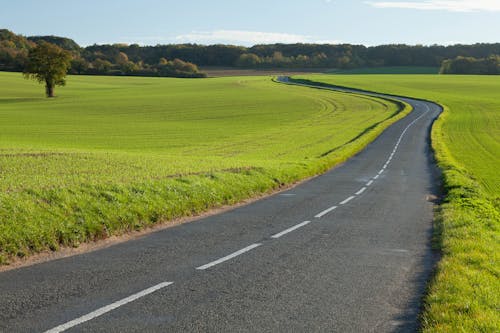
point(387, 70)
point(114, 154)
point(464, 294)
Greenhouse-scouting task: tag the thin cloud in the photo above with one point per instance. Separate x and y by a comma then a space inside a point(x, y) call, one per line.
point(447, 5)
point(246, 37)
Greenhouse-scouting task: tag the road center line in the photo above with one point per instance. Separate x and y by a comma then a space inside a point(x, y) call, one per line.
point(369, 183)
point(326, 211)
point(295, 227)
point(228, 257)
point(107, 308)
point(361, 191)
point(347, 200)
point(375, 177)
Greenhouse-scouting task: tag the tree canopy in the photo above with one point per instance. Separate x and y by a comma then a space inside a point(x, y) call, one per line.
point(470, 65)
point(48, 63)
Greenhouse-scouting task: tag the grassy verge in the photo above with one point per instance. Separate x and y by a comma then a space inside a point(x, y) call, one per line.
point(463, 295)
point(114, 154)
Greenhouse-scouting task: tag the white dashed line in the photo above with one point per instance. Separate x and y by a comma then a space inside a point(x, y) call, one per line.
point(361, 191)
point(347, 200)
point(295, 227)
point(375, 177)
point(228, 257)
point(326, 211)
point(107, 308)
point(381, 170)
point(369, 183)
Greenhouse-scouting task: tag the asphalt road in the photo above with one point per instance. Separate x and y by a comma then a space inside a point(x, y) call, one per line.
point(287, 263)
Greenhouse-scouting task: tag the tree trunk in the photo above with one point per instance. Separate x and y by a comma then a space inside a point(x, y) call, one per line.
point(49, 89)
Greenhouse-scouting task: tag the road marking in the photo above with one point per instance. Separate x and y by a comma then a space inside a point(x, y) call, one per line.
point(369, 183)
point(361, 191)
point(376, 177)
point(381, 170)
point(347, 200)
point(295, 227)
point(287, 194)
point(399, 250)
point(228, 257)
point(107, 308)
point(326, 211)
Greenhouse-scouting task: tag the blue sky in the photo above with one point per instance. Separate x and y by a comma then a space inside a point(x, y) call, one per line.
point(248, 22)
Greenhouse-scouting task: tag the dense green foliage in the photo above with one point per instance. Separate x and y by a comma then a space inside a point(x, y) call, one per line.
point(48, 63)
point(117, 154)
point(62, 42)
point(295, 55)
point(13, 51)
point(144, 60)
point(463, 296)
point(469, 65)
point(14, 57)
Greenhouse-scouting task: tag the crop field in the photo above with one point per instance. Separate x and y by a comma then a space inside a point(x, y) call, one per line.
point(463, 297)
point(387, 70)
point(113, 154)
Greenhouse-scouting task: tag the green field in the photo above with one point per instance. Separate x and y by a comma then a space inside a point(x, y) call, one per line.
point(387, 70)
point(113, 154)
point(464, 295)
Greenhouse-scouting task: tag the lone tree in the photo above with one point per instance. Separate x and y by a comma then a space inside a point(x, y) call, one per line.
point(48, 63)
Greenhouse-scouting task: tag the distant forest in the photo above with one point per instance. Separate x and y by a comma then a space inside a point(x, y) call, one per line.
point(181, 60)
point(470, 65)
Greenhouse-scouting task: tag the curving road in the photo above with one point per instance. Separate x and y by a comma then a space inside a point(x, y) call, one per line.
point(348, 251)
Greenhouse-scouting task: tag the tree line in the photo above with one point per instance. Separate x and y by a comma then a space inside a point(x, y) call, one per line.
point(15, 56)
point(180, 59)
point(469, 65)
point(343, 56)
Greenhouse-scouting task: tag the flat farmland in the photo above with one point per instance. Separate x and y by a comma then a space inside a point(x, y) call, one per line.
point(114, 154)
